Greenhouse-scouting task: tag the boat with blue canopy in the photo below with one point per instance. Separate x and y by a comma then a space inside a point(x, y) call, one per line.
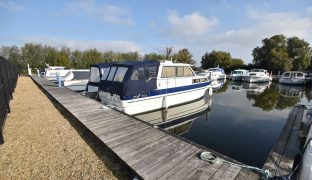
point(141, 86)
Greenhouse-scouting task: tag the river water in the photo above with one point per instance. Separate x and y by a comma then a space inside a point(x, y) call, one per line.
point(240, 120)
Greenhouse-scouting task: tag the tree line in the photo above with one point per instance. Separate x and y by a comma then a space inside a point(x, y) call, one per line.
point(277, 53)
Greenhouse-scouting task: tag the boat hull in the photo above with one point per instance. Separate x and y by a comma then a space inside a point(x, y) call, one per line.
point(151, 103)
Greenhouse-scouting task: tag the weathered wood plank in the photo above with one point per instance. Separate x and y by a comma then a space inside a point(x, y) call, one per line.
point(226, 172)
point(282, 155)
point(205, 171)
point(185, 168)
point(246, 174)
point(170, 162)
point(158, 155)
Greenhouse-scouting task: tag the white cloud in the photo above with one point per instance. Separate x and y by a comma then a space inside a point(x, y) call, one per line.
point(108, 13)
point(10, 5)
point(239, 42)
point(189, 26)
point(118, 46)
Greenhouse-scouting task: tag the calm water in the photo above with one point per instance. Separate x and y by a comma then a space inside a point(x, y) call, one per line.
point(240, 120)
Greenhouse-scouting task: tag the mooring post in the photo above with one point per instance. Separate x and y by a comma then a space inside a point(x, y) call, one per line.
point(59, 81)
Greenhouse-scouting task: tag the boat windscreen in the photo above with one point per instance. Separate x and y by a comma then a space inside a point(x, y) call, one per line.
point(80, 75)
point(94, 74)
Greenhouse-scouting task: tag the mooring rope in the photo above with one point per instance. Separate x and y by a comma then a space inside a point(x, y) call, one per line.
point(212, 158)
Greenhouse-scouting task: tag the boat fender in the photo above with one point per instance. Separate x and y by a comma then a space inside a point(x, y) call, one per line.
point(164, 103)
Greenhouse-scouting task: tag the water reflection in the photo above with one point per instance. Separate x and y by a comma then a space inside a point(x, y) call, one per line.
point(176, 115)
point(268, 96)
point(219, 86)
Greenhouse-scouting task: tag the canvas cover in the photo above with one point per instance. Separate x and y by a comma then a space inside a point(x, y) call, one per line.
point(139, 80)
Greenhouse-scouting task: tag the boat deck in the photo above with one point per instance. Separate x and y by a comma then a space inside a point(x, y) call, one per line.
point(282, 156)
point(152, 153)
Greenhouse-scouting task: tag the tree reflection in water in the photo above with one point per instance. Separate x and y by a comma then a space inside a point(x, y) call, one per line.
point(278, 96)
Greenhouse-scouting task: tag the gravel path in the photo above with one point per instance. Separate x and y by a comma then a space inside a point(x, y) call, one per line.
point(41, 142)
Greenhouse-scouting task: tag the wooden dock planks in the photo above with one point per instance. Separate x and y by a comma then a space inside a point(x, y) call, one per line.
point(150, 152)
point(281, 158)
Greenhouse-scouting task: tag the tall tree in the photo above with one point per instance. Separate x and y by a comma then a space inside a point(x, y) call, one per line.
point(272, 55)
point(183, 56)
point(216, 58)
point(299, 52)
point(33, 54)
point(154, 56)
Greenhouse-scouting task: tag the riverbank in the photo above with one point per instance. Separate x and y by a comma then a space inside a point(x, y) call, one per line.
point(40, 142)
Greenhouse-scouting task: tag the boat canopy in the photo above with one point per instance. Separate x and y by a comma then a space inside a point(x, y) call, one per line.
point(96, 72)
point(130, 79)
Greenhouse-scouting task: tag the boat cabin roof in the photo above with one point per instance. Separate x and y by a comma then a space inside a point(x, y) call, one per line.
point(103, 65)
point(258, 70)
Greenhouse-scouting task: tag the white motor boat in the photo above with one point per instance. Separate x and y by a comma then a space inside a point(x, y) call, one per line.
point(292, 78)
point(258, 75)
point(214, 73)
point(51, 72)
point(239, 74)
point(141, 86)
point(76, 80)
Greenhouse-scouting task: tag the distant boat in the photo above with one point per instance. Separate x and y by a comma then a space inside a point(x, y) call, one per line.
point(293, 78)
point(76, 80)
point(140, 86)
point(50, 72)
point(213, 73)
point(239, 74)
point(258, 75)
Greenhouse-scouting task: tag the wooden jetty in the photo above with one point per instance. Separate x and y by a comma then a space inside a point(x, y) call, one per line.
point(152, 153)
point(282, 156)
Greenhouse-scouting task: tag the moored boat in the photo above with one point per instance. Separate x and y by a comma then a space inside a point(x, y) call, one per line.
point(214, 73)
point(258, 75)
point(239, 74)
point(141, 86)
point(76, 80)
point(292, 78)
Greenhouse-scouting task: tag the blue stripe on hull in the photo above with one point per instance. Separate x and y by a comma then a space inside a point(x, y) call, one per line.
point(158, 92)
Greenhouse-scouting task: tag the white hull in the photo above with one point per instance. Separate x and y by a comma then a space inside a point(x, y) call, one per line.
point(217, 76)
point(257, 79)
point(136, 106)
point(293, 81)
point(76, 85)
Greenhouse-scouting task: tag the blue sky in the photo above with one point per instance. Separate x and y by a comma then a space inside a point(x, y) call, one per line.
point(151, 26)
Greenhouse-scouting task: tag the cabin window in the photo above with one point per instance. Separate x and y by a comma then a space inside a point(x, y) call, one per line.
point(180, 71)
point(286, 75)
point(168, 72)
point(299, 75)
point(105, 72)
point(188, 71)
point(80, 75)
point(150, 72)
point(111, 74)
point(138, 74)
point(120, 74)
point(94, 74)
